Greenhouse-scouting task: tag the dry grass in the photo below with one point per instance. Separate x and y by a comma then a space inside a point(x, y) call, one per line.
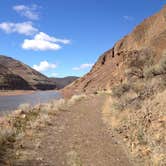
point(73, 159)
point(137, 111)
point(76, 98)
point(142, 130)
point(6, 134)
point(134, 90)
point(14, 125)
point(158, 69)
point(102, 92)
point(119, 90)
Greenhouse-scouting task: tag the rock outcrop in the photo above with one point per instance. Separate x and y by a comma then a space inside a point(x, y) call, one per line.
point(148, 37)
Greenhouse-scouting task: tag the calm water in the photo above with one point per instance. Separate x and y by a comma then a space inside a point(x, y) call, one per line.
point(8, 103)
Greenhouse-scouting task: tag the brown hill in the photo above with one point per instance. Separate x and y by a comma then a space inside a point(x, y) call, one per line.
point(15, 75)
point(147, 38)
point(62, 82)
point(133, 74)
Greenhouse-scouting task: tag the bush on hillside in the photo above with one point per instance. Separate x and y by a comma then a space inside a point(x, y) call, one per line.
point(137, 63)
point(119, 90)
point(158, 69)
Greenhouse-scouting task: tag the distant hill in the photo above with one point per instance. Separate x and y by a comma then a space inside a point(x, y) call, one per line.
point(62, 82)
point(14, 75)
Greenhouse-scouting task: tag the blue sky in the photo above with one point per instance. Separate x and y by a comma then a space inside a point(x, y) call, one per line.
point(65, 37)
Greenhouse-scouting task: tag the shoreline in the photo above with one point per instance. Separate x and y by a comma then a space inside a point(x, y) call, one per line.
point(19, 92)
point(15, 92)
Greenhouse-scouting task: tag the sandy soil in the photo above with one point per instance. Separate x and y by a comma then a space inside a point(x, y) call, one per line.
point(75, 137)
point(15, 92)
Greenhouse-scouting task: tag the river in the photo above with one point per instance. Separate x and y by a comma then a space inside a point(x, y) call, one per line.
point(9, 103)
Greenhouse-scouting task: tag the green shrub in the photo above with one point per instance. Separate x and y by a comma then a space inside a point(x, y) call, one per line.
point(137, 63)
point(141, 58)
point(141, 137)
point(19, 122)
point(119, 90)
point(163, 63)
point(118, 106)
point(134, 72)
point(155, 70)
point(6, 134)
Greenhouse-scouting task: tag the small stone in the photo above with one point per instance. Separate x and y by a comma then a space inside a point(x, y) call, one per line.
point(40, 159)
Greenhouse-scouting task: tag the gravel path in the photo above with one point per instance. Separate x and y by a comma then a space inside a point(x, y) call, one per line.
point(76, 137)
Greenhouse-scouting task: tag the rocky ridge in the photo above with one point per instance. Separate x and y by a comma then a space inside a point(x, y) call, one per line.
point(148, 37)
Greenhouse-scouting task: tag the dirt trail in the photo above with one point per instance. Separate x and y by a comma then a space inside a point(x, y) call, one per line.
point(76, 137)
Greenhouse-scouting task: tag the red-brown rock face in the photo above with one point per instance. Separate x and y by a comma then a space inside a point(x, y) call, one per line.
point(149, 36)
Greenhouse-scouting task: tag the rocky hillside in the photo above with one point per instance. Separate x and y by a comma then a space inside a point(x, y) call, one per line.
point(133, 74)
point(147, 38)
point(15, 75)
point(62, 82)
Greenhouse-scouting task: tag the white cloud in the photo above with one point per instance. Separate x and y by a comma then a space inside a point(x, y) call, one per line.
point(128, 18)
point(43, 42)
point(44, 65)
point(83, 66)
point(44, 36)
point(25, 28)
point(54, 75)
point(29, 12)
